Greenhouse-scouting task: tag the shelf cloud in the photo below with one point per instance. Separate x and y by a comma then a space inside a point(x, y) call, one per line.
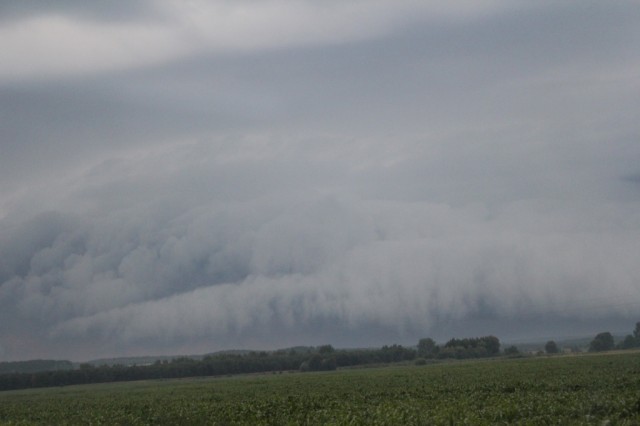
point(184, 177)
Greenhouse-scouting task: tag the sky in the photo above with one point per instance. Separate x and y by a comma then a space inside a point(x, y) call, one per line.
point(182, 177)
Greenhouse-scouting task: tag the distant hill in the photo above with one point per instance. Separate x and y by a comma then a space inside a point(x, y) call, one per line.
point(34, 366)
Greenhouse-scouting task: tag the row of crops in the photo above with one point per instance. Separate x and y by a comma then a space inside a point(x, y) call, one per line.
point(587, 389)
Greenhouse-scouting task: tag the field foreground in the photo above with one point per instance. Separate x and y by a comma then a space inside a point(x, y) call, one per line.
point(588, 389)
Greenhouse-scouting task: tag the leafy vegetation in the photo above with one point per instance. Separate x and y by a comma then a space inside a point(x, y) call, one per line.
point(585, 389)
point(602, 342)
point(475, 347)
point(551, 347)
point(631, 340)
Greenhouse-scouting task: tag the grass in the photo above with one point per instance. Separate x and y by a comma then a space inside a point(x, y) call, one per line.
point(588, 389)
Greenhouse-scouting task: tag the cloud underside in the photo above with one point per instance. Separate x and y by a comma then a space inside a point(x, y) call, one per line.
point(167, 268)
point(262, 174)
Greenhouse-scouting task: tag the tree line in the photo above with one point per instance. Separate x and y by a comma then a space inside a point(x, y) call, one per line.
point(321, 358)
point(476, 347)
point(604, 341)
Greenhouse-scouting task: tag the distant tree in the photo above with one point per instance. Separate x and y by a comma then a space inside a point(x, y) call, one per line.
point(511, 350)
point(628, 342)
point(551, 348)
point(315, 362)
point(631, 340)
point(602, 342)
point(476, 347)
point(326, 349)
point(318, 363)
point(427, 348)
point(396, 353)
point(329, 364)
point(492, 344)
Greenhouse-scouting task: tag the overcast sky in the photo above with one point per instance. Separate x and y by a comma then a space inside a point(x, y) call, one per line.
point(180, 177)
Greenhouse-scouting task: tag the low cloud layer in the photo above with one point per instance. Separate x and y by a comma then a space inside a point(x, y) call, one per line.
point(273, 259)
point(369, 173)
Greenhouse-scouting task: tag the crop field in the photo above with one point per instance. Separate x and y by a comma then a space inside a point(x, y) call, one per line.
point(587, 389)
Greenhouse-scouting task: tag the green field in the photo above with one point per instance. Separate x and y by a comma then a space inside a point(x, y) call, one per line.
point(587, 389)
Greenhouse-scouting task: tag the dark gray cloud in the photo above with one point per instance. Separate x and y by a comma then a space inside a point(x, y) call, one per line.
point(438, 171)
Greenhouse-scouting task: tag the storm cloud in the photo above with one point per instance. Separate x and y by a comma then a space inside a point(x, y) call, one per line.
point(188, 177)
